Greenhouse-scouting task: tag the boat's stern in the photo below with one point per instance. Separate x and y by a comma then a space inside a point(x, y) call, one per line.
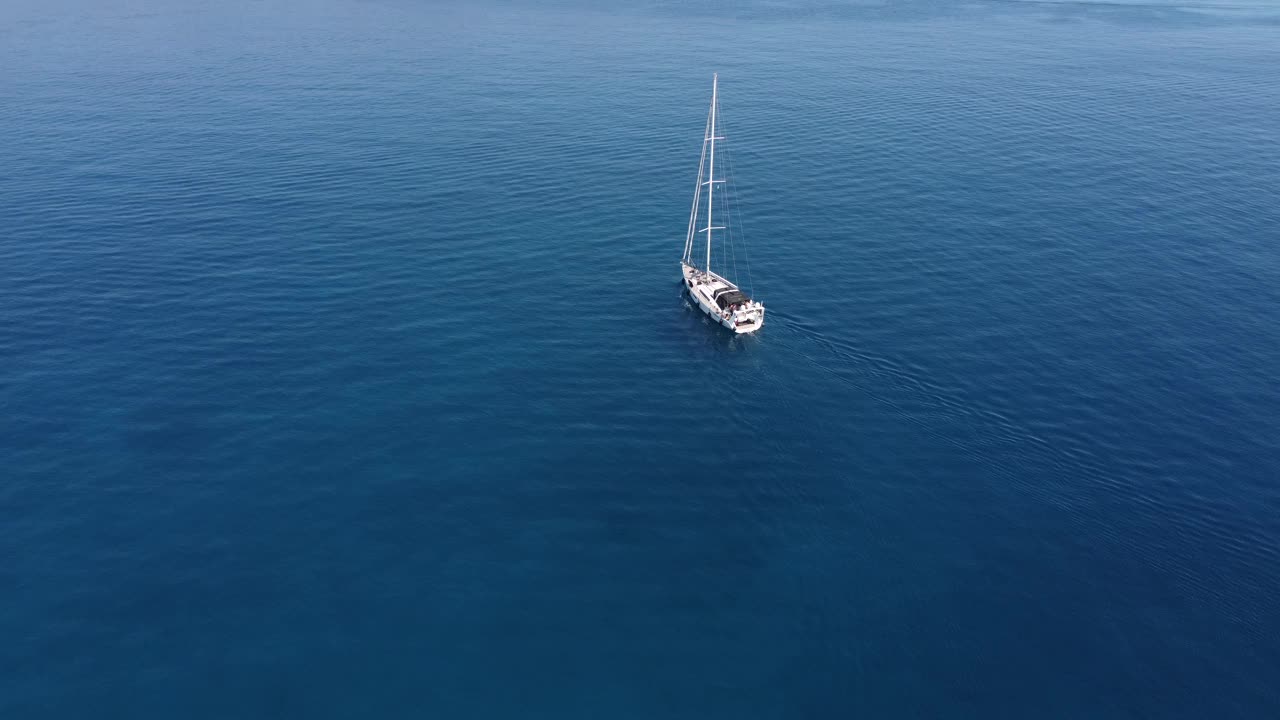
point(747, 320)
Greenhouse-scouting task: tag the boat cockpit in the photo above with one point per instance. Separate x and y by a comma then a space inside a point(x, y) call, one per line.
point(729, 297)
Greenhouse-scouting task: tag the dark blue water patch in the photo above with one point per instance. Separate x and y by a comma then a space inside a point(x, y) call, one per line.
point(345, 369)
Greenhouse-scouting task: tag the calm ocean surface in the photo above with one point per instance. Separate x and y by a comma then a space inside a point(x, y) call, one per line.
point(344, 371)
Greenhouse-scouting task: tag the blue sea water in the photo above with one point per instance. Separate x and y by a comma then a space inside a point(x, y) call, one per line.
point(344, 370)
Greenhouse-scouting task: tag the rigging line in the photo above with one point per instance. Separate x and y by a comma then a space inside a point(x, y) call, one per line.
point(730, 260)
point(719, 249)
point(728, 253)
point(697, 196)
point(731, 240)
point(746, 257)
point(729, 248)
point(742, 240)
point(711, 188)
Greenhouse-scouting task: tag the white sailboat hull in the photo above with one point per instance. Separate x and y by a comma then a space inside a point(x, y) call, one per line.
point(704, 288)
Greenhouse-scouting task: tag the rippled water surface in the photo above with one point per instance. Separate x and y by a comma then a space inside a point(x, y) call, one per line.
point(344, 371)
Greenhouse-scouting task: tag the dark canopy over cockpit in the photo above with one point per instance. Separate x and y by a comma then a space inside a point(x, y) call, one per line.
point(731, 297)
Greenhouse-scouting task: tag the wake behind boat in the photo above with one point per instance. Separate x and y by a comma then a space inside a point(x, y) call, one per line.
point(716, 295)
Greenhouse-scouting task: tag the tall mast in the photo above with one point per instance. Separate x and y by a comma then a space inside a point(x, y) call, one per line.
point(711, 167)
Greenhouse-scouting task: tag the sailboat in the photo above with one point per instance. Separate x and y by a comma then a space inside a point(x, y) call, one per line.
point(717, 296)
